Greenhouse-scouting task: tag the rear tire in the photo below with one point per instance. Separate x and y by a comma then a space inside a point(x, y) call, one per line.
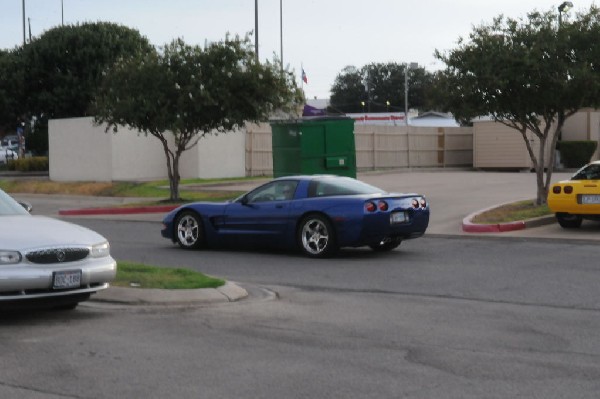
point(189, 230)
point(316, 237)
point(386, 245)
point(569, 221)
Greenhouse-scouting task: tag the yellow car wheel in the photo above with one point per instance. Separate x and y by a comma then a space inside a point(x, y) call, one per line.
point(569, 221)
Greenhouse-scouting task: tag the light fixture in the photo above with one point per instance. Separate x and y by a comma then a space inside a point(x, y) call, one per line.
point(565, 6)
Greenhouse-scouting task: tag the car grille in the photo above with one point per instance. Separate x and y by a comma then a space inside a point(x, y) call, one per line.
point(57, 255)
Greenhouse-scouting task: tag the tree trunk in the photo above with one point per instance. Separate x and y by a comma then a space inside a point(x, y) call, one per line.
point(172, 172)
point(176, 178)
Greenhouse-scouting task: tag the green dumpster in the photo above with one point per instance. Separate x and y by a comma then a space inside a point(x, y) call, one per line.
point(314, 145)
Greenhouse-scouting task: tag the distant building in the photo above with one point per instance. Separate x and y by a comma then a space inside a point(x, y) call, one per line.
point(433, 119)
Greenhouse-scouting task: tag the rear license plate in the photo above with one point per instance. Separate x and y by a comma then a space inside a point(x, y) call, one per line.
point(398, 217)
point(66, 279)
point(590, 199)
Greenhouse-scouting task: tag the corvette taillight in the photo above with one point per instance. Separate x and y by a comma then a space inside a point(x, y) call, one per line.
point(419, 203)
point(568, 189)
point(556, 189)
point(382, 205)
point(370, 207)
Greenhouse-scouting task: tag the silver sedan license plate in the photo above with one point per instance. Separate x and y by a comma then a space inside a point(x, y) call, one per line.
point(590, 199)
point(66, 279)
point(398, 217)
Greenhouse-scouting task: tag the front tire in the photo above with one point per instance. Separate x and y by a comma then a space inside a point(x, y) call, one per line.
point(386, 244)
point(316, 237)
point(189, 231)
point(569, 221)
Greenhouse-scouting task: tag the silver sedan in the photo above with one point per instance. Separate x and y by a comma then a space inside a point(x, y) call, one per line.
point(45, 261)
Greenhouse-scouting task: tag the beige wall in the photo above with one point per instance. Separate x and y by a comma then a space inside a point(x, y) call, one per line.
point(584, 125)
point(215, 156)
point(80, 151)
point(498, 146)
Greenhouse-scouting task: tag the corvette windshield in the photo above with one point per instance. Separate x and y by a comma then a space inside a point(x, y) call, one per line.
point(328, 187)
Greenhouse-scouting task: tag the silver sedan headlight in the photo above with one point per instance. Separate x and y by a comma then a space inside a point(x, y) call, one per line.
point(101, 250)
point(9, 257)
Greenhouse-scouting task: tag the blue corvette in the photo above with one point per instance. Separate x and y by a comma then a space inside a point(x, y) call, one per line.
point(317, 214)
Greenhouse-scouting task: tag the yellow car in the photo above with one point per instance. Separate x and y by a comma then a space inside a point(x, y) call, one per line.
point(578, 198)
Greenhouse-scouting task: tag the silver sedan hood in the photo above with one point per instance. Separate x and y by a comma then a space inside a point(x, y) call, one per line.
point(25, 232)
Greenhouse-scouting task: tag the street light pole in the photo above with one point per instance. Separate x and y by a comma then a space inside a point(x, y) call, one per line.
point(256, 28)
point(62, 13)
point(412, 65)
point(564, 7)
point(281, 31)
point(23, 1)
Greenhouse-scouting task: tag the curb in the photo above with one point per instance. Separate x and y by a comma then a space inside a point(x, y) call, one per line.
point(469, 227)
point(230, 292)
point(118, 211)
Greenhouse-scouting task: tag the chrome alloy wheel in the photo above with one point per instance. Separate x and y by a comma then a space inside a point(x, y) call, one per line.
point(315, 236)
point(188, 230)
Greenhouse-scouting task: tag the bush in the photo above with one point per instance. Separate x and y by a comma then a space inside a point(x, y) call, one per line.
point(575, 154)
point(33, 164)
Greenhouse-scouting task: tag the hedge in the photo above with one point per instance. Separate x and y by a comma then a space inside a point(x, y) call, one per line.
point(575, 154)
point(33, 164)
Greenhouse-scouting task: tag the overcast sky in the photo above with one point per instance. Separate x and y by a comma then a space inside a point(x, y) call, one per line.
point(323, 36)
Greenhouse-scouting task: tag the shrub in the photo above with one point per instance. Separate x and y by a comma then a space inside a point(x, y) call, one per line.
point(575, 154)
point(32, 164)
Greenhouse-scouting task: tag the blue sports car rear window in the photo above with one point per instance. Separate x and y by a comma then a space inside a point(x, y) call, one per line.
point(329, 187)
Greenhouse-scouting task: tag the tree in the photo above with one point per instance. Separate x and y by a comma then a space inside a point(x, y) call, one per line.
point(188, 92)
point(11, 89)
point(61, 70)
point(377, 84)
point(528, 74)
point(348, 91)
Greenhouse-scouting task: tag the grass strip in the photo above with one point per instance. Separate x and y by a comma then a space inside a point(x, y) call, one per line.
point(138, 275)
point(155, 189)
point(513, 212)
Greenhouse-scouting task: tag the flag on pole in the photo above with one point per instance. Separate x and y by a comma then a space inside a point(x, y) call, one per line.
point(304, 78)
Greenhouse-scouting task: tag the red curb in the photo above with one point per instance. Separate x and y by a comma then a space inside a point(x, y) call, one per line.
point(117, 211)
point(469, 227)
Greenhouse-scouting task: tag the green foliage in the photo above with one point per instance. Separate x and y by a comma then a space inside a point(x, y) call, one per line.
point(375, 85)
point(33, 164)
point(66, 63)
point(529, 74)
point(56, 75)
point(575, 154)
point(11, 89)
point(37, 138)
point(189, 92)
